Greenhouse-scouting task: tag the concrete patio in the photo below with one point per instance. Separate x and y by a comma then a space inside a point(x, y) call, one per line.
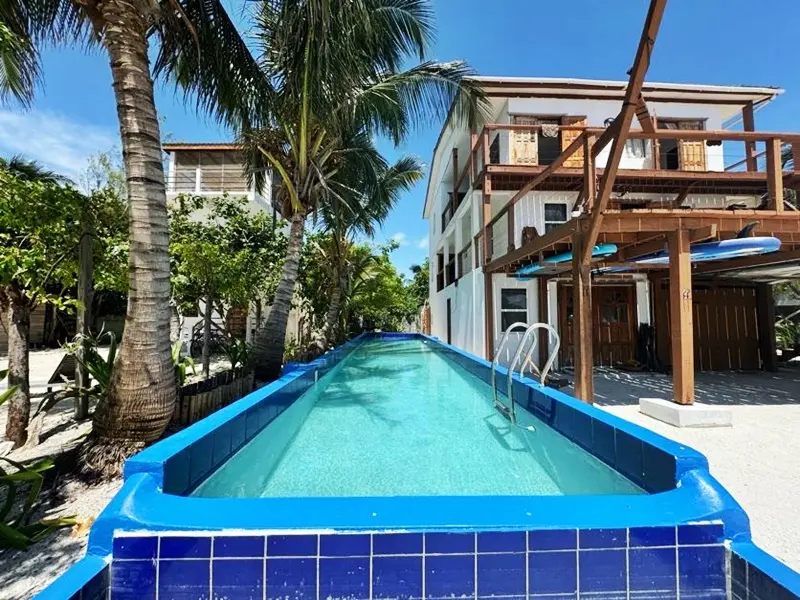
point(757, 460)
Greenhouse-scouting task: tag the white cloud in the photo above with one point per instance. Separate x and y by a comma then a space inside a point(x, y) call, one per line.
point(54, 140)
point(400, 238)
point(423, 243)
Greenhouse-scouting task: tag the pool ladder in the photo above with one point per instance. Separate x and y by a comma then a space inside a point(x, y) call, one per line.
point(508, 410)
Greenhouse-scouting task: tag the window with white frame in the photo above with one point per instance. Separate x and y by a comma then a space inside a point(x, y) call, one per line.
point(513, 307)
point(555, 214)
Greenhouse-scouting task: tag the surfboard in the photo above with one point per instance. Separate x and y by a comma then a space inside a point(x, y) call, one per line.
point(736, 248)
point(599, 252)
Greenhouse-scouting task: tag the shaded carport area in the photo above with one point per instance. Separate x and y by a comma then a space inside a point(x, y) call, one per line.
point(757, 460)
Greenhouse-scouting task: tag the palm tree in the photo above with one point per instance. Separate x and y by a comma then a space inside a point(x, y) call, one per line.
point(357, 207)
point(200, 49)
point(334, 68)
point(30, 170)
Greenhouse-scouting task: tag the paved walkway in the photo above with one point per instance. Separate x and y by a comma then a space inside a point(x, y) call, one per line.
point(757, 460)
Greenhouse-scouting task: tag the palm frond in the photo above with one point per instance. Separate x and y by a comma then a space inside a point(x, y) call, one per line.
point(30, 170)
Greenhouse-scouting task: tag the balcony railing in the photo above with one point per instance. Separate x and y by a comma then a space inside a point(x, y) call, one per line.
point(465, 260)
point(197, 180)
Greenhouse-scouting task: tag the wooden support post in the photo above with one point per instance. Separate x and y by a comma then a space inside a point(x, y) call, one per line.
point(775, 174)
point(487, 216)
point(589, 173)
point(84, 316)
point(511, 226)
point(681, 319)
point(582, 321)
point(766, 327)
point(544, 336)
point(795, 157)
point(749, 124)
point(486, 149)
point(473, 139)
point(488, 305)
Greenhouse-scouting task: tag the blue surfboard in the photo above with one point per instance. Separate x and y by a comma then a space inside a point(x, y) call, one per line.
point(599, 252)
point(736, 248)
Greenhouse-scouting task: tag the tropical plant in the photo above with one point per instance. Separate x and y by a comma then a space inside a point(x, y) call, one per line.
point(7, 393)
point(182, 363)
point(25, 484)
point(199, 47)
point(334, 76)
point(787, 334)
point(420, 283)
point(361, 206)
point(237, 351)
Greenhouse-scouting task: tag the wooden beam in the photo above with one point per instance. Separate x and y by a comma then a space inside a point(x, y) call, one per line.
point(582, 334)
point(487, 216)
point(605, 136)
point(749, 124)
point(636, 250)
point(646, 121)
point(632, 93)
point(511, 226)
point(548, 239)
point(703, 135)
point(681, 318)
point(473, 142)
point(589, 173)
point(551, 168)
point(488, 315)
point(775, 174)
point(765, 307)
point(748, 262)
point(544, 336)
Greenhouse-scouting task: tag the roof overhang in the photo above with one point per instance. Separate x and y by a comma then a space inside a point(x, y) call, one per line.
point(195, 146)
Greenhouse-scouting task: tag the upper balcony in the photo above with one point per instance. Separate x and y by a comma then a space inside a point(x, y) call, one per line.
point(205, 169)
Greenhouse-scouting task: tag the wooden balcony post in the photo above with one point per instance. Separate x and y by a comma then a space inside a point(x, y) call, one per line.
point(765, 305)
point(795, 156)
point(511, 227)
point(775, 174)
point(485, 148)
point(488, 315)
point(589, 174)
point(681, 318)
point(473, 140)
point(582, 321)
point(749, 124)
point(487, 216)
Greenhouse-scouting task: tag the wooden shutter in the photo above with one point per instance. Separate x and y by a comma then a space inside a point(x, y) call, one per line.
point(692, 153)
point(524, 149)
point(567, 137)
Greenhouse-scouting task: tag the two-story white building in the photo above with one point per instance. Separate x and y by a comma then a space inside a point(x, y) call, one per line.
point(485, 227)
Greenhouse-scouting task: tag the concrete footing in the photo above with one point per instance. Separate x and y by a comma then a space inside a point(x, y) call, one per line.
point(693, 415)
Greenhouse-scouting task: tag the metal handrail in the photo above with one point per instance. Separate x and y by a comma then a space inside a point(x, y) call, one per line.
point(497, 355)
point(553, 334)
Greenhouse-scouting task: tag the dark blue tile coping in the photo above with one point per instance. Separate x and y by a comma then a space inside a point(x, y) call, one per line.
point(237, 580)
point(755, 575)
point(294, 577)
point(397, 577)
point(554, 539)
point(344, 578)
point(602, 571)
point(652, 569)
point(185, 547)
point(135, 547)
point(502, 541)
point(652, 536)
point(449, 576)
point(292, 545)
point(397, 543)
point(502, 575)
point(699, 535)
point(133, 580)
point(449, 543)
point(553, 572)
point(602, 538)
point(239, 546)
point(344, 545)
point(182, 579)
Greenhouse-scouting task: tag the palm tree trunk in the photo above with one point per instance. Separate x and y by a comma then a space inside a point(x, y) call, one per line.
point(207, 337)
point(267, 356)
point(325, 334)
point(19, 329)
point(142, 393)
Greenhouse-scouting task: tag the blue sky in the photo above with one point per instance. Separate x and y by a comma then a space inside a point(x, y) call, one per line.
point(701, 41)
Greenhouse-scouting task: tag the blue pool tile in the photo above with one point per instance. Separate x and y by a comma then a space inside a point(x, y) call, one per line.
point(292, 545)
point(762, 587)
point(701, 570)
point(449, 576)
point(184, 579)
point(449, 543)
point(344, 578)
point(238, 436)
point(398, 577)
point(553, 572)
point(738, 577)
point(582, 430)
point(344, 545)
point(652, 569)
point(397, 543)
point(695, 535)
point(135, 547)
point(236, 546)
point(294, 578)
point(602, 538)
point(133, 580)
point(185, 547)
point(501, 575)
point(200, 459)
point(176, 472)
point(603, 441)
point(651, 536)
point(502, 541)
point(659, 469)
point(553, 539)
point(222, 444)
point(563, 419)
point(97, 587)
point(237, 579)
point(251, 423)
point(629, 456)
point(554, 597)
point(602, 571)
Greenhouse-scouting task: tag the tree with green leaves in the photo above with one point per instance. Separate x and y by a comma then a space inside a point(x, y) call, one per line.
point(359, 209)
point(419, 287)
point(198, 47)
point(223, 255)
point(39, 236)
point(335, 78)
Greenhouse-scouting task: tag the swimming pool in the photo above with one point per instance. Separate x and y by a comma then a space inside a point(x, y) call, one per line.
point(669, 531)
point(396, 418)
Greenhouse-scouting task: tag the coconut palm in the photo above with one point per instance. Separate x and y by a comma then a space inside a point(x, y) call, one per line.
point(335, 67)
point(356, 208)
point(199, 48)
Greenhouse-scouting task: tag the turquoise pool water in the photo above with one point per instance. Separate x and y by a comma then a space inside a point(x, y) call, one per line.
point(396, 418)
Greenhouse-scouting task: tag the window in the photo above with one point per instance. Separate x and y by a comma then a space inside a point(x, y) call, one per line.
point(554, 215)
point(513, 307)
